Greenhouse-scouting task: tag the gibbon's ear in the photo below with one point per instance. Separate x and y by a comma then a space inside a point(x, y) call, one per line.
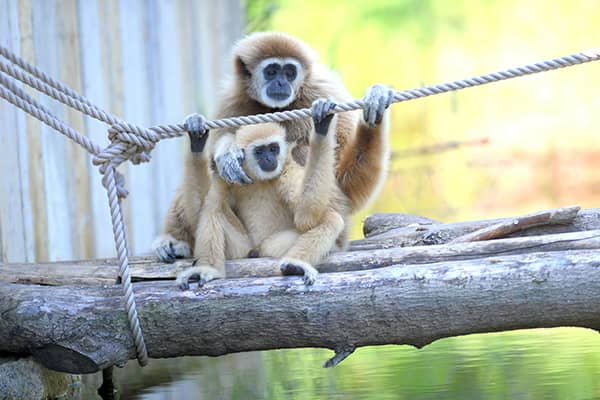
point(240, 68)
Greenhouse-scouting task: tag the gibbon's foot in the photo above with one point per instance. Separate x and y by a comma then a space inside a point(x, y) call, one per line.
point(377, 99)
point(292, 266)
point(229, 166)
point(167, 248)
point(203, 274)
point(321, 114)
point(195, 125)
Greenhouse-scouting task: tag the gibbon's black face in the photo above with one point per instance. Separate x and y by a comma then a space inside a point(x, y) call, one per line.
point(265, 149)
point(278, 79)
point(267, 156)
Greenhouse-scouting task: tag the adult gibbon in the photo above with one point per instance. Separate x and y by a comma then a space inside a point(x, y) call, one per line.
point(274, 72)
point(289, 210)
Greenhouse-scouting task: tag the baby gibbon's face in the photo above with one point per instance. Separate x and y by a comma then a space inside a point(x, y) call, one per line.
point(265, 150)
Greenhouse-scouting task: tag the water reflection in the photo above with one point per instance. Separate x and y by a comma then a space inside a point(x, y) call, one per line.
point(561, 363)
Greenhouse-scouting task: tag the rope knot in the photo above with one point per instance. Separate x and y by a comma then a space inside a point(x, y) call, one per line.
point(127, 142)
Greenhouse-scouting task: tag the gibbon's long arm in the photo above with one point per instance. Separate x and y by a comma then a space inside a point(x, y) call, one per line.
point(319, 177)
point(362, 163)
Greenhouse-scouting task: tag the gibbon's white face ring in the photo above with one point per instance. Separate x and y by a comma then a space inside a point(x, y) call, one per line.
point(251, 165)
point(263, 83)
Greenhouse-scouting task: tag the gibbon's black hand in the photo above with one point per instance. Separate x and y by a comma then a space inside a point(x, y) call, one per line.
point(229, 166)
point(322, 116)
point(377, 99)
point(195, 125)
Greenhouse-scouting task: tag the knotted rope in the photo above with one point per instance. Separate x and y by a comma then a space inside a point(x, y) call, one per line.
point(134, 143)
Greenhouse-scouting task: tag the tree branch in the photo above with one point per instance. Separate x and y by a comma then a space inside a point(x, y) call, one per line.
point(561, 216)
point(401, 235)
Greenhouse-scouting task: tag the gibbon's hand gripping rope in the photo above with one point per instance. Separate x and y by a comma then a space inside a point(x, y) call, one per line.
point(134, 143)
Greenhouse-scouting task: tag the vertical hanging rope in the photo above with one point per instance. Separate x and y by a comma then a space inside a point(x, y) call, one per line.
point(120, 236)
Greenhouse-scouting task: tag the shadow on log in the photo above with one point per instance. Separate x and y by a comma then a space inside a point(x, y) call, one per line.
point(80, 329)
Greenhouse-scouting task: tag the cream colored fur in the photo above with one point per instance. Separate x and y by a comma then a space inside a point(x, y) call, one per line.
point(290, 216)
point(361, 151)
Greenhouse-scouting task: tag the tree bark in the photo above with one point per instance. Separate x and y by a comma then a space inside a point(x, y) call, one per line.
point(401, 235)
point(556, 216)
point(104, 272)
point(82, 329)
point(378, 223)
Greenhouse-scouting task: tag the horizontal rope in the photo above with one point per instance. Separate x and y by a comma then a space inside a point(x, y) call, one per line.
point(411, 94)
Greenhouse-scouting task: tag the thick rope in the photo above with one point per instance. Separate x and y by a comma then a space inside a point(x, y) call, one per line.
point(112, 180)
point(120, 235)
point(130, 142)
point(400, 96)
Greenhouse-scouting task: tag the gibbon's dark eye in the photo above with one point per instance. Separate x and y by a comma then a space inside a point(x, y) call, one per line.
point(259, 150)
point(271, 71)
point(274, 148)
point(289, 70)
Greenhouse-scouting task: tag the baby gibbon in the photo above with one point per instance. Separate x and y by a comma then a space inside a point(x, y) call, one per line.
point(289, 211)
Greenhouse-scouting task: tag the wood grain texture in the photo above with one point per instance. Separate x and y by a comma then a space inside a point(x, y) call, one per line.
point(382, 222)
point(556, 216)
point(104, 271)
point(428, 234)
point(409, 304)
point(16, 230)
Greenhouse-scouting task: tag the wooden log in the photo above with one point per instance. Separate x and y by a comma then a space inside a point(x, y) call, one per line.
point(429, 234)
point(96, 272)
point(81, 329)
point(556, 216)
point(383, 222)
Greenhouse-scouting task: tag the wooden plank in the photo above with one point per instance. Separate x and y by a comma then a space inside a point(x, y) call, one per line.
point(16, 228)
point(78, 162)
point(167, 106)
point(95, 272)
point(58, 182)
point(190, 67)
point(143, 225)
point(214, 51)
point(413, 305)
point(37, 183)
point(93, 66)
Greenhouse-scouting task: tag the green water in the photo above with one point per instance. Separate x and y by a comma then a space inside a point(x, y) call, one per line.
point(561, 363)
